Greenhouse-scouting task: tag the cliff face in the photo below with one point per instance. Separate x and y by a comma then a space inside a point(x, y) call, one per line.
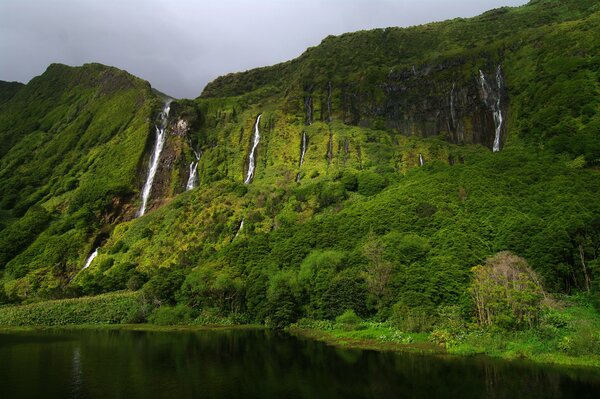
point(422, 101)
point(177, 155)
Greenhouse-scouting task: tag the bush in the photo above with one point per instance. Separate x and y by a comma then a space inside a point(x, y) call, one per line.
point(349, 320)
point(370, 183)
point(171, 315)
point(507, 292)
point(416, 320)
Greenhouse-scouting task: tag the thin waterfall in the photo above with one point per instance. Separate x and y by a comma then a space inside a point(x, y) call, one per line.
point(239, 229)
point(161, 129)
point(302, 152)
point(494, 102)
point(498, 112)
point(191, 183)
point(252, 156)
point(193, 179)
point(91, 258)
point(303, 148)
point(421, 160)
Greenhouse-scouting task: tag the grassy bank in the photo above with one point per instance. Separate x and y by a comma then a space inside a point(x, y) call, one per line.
point(112, 308)
point(569, 337)
point(371, 336)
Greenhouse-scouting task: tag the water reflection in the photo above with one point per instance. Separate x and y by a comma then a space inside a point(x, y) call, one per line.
point(257, 364)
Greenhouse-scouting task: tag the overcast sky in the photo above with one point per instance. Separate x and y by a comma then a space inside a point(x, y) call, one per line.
point(180, 45)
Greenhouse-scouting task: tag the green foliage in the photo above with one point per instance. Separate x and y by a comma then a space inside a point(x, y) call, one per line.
point(162, 287)
point(370, 183)
point(349, 320)
point(507, 293)
point(283, 300)
point(22, 233)
point(171, 315)
point(118, 307)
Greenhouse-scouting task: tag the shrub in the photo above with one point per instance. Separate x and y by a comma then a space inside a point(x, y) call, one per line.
point(370, 183)
point(507, 292)
point(349, 320)
point(171, 315)
point(418, 319)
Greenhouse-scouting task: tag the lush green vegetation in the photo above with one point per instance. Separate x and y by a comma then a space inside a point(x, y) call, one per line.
point(117, 307)
point(478, 251)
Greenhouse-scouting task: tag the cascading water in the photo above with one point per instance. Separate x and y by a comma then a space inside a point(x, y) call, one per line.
point(421, 160)
point(90, 259)
point(493, 101)
point(498, 112)
point(161, 128)
point(252, 156)
point(302, 152)
point(303, 149)
point(239, 229)
point(193, 179)
point(191, 183)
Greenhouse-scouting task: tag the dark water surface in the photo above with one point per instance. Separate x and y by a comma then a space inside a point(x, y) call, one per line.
point(257, 364)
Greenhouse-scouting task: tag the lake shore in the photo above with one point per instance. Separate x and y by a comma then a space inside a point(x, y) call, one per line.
point(367, 339)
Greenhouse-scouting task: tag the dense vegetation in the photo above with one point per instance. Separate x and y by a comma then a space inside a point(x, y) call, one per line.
point(470, 245)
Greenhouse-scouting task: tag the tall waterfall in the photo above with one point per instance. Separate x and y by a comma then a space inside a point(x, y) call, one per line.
point(193, 179)
point(421, 160)
point(302, 152)
point(252, 156)
point(90, 259)
point(161, 128)
point(493, 100)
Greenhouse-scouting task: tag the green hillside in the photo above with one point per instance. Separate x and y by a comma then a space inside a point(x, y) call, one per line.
point(392, 164)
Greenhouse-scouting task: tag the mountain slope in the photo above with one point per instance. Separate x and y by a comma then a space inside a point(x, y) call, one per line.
point(409, 155)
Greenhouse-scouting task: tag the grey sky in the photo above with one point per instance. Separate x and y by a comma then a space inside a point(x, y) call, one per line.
point(180, 45)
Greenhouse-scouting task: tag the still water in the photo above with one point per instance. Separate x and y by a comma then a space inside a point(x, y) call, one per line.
point(257, 364)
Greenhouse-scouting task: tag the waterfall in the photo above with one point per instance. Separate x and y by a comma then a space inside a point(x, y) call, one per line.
point(91, 258)
point(302, 152)
point(303, 148)
point(193, 179)
point(161, 128)
point(252, 156)
point(498, 112)
point(239, 229)
point(493, 101)
point(191, 183)
point(421, 160)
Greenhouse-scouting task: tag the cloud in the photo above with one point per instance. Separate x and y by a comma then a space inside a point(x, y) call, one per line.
point(179, 46)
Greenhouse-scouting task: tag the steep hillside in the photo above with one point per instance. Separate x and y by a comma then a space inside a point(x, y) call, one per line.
point(372, 173)
point(73, 141)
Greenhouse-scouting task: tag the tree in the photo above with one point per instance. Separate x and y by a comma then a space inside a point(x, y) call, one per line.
point(378, 271)
point(507, 292)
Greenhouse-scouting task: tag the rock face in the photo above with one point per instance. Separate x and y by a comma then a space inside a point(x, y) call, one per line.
point(423, 101)
point(177, 154)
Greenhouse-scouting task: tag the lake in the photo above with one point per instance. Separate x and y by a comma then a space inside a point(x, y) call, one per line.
point(257, 364)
